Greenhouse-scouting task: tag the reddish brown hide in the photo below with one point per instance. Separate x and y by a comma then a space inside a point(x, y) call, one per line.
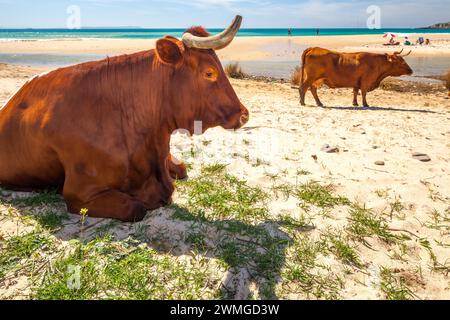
point(101, 130)
point(361, 71)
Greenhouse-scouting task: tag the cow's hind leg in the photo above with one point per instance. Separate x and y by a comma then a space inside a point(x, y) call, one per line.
point(102, 202)
point(316, 96)
point(355, 97)
point(303, 90)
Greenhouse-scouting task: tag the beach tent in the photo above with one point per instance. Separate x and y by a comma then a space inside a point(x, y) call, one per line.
point(390, 35)
point(395, 35)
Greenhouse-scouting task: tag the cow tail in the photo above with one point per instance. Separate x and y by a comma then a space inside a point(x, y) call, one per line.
point(303, 65)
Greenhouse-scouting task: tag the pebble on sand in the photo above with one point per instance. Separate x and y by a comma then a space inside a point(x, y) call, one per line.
point(380, 163)
point(329, 149)
point(421, 157)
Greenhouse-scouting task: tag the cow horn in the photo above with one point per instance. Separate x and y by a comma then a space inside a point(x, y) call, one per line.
point(216, 42)
point(398, 52)
point(405, 55)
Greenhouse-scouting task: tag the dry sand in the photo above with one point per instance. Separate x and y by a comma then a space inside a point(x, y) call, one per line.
point(287, 137)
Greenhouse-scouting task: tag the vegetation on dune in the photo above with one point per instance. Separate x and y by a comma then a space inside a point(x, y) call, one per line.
point(126, 270)
point(394, 287)
point(447, 81)
point(229, 229)
point(217, 195)
point(234, 70)
point(19, 252)
point(311, 194)
point(296, 76)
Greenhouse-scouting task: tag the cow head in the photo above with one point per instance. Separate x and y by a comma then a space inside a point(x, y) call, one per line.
point(398, 65)
point(201, 89)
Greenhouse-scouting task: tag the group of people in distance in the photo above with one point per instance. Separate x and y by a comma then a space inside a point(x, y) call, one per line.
point(421, 41)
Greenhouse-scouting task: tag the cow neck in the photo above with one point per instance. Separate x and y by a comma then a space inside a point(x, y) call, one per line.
point(384, 74)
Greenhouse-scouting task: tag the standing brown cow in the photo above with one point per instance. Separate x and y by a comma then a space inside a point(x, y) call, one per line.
point(101, 130)
point(361, 71)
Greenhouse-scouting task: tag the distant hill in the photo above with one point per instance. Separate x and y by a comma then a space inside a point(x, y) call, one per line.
point(114, 28)
point(439, 26)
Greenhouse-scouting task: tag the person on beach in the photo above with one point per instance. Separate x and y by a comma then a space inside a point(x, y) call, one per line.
point(407, 42)
point(392, 42)
point(290, 32)
point(420, 41)
point(317, 32)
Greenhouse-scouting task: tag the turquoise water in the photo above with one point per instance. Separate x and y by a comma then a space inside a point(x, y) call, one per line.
point(43, 34)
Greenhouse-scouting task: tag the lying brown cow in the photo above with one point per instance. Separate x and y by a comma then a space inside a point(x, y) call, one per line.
point(101, 130)
point(361, 71)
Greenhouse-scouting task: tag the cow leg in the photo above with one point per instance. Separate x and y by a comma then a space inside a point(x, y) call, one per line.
point(364, 96)
point(303, 89)
point(316, 96)
point(177, 168)
point(110, 204)
point(355, 97)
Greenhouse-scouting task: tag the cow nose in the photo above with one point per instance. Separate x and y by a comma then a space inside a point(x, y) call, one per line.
point(245, 117)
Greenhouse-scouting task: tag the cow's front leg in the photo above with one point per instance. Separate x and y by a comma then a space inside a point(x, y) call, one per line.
point(177, 169)
point(355, 97)
point(364, 97)
point(106, 203)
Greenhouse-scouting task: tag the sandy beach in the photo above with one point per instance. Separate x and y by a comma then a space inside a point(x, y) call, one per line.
point(242, 48)
point(282, 146)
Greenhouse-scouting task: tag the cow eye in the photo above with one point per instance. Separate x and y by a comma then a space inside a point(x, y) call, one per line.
point(210, 75)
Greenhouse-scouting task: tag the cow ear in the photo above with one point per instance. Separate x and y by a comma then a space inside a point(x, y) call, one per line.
point(168, 51)
point(390, 57)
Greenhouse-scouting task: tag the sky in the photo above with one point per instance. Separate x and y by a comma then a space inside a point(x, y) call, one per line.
point(218, 13)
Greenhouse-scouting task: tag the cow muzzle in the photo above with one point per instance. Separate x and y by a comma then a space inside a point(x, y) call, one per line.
point(245, 117)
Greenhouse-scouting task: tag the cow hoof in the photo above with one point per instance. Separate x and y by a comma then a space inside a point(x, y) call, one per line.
point(356, 105)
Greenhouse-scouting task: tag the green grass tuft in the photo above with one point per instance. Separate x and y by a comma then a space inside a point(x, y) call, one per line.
point(394, 287)
point(217, 195)
point(18, 248)
point(365, 224)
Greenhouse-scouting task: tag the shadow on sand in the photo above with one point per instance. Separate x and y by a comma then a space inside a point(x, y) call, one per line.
point(377, 109)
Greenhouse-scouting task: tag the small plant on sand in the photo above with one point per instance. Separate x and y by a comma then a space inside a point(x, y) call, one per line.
point(312, 194)
point(217, 195)
point(37, 199)
point(234, 70)
point(50, 220)
point(16, 251)
point(394, 287)
point(365, 224)
point(337, 243)
point(296, 76)
point(303, 273)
